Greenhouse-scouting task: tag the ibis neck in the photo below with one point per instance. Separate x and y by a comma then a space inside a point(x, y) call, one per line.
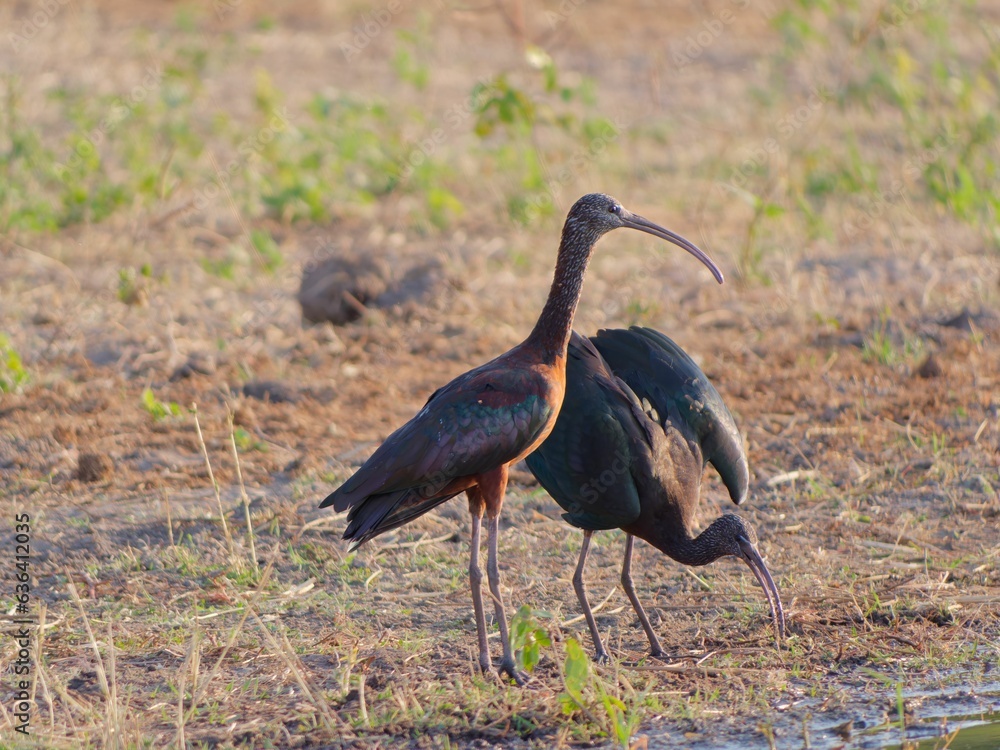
point(552, 332)
point(680, 546)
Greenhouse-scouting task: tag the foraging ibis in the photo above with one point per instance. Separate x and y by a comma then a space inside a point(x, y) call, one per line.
point(639, 422)
point(473, 429)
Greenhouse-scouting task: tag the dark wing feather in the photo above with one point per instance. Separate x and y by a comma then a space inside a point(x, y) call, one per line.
point(659, 371)
point(585, 461)
point(475, 424)
point(381, 513)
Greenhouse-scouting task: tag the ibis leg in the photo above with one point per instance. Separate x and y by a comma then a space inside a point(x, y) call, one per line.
point(600, 655)
point(654, 642)
point(476, 581)
point(493, 572)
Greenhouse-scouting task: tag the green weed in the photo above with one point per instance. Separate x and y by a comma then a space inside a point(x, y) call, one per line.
point(752, 253)
point(589, 693)
point(159, 409)
point(13, 375)
point(527, 637)
point(409, 61)
point(267, 250)
point(246, 442)
point(535, 135)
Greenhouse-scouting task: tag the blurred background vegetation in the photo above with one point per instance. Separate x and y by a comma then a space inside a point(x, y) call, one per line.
point(821, 119)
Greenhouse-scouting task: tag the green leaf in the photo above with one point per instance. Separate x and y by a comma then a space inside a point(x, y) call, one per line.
point(576, 670)
point(527, 638)
point(267, 248)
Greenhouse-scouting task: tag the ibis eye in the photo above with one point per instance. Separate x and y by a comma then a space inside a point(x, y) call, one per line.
point(615, 209)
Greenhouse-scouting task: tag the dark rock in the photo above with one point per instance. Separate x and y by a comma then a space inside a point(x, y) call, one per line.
point(845, 730)
point(342, 289)
point(85, 682)
point(338, 289)
point(101, 353)
point(962, 321)
point(969, 321)
point(270, 390)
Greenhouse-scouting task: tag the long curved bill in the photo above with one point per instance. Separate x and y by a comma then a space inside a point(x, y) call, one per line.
point(752, 558)
point(634, 221)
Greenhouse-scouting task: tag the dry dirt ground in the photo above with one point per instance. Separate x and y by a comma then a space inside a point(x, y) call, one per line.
point(862, 366)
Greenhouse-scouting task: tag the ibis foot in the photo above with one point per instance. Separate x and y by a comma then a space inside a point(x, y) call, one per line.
point(601, 657)
point(485, 663)
point(508, 668)
point(659, 653)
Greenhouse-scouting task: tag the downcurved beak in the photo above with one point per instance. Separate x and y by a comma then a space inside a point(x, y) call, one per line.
point(634, 221)
point(750, 555)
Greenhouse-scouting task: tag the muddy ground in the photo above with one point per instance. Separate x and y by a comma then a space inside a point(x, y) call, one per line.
point(859, 361)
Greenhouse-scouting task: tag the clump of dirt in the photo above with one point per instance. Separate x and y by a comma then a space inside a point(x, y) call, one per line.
point(198, 363)
point(969, 321)
point(341, 289)
point(930, 368)
point(94, 467)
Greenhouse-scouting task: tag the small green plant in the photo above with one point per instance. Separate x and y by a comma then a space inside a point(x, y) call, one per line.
point(639, 310)
point(13, 376)
point(411, 51)
point(159, 409)
point(887, 348)
point(878, 347)
point(588, 692)
point(752, 254)
point(224, 268)
point(247, 442)
point(266, 249)
point(536, 135)
point(131, 289)
point(576, 675)
point(527, 638)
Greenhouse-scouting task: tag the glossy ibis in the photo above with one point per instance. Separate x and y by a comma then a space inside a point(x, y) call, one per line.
point(639, 422)
point(472, 430)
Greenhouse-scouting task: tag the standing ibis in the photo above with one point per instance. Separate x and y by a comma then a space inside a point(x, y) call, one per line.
point(639, 422)
point(472, 430)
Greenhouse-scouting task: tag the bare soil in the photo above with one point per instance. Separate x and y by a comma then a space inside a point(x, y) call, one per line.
point(875, 484)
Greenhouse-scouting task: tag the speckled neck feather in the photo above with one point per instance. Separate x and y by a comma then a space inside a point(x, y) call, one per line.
point(716, 541)
point(552, 332)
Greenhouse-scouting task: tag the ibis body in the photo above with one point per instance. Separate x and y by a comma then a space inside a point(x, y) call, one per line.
point(639, 422)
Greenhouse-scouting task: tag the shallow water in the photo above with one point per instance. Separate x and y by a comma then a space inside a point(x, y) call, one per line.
point(950, 719)
point(966, 732)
